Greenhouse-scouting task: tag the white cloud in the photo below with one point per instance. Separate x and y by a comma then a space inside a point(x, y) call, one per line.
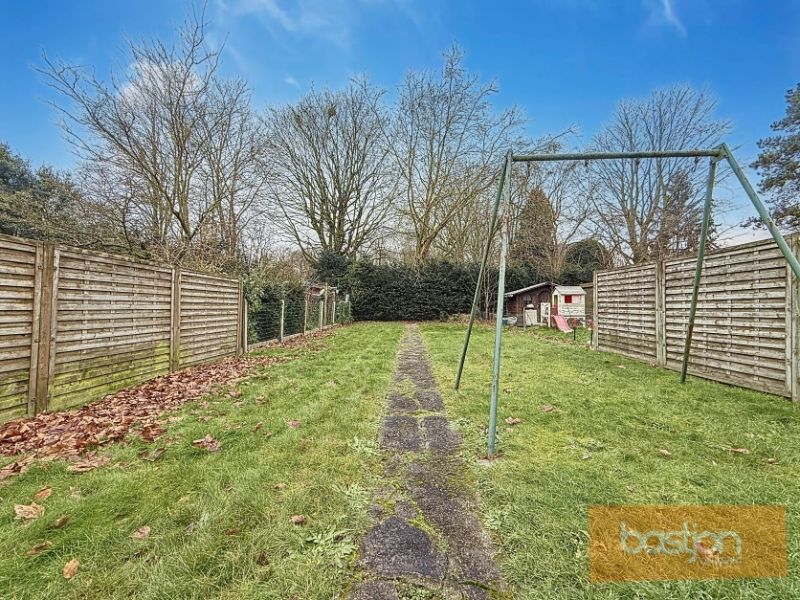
point(291, 81)
point(661, 13)
point(331, 20)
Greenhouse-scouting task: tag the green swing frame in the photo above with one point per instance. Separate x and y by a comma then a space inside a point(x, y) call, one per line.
point(503, 197)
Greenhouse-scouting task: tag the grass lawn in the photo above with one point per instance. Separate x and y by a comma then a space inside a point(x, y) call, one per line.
point(601, 445)
point(220, 522)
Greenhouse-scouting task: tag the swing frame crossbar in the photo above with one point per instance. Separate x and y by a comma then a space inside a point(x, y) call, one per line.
point(503, 199)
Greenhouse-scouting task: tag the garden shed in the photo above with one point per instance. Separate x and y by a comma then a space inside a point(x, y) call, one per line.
point(544, 300)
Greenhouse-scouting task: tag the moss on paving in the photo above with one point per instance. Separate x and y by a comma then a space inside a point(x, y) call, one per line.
point(220, 522)
point(601, 445)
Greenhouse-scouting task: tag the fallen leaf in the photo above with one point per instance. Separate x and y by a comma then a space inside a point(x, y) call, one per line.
point(15, 468)
point(154, 456)
point(280, 485)
point(513, 421)
point(298, 519)
point(620, 366)
point(234, 393)
point(772, 461)
point(208, 442)
point(39, 548)
point(263, 559)
point(665, 452)
point(70, 569)
point(138, 410)
point(294, 424)
point(257, 426)
point(547, 408)
point(88, 464)
point(740, 450)
point(705, 553)
point(28, 512)
point(142, 533)
point(59, 522)
point(150, 432)
point(43, 494)
point(506, 390)
point(232, 531)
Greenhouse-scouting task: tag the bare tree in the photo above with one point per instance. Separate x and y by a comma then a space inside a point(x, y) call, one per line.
point(636, 209)
point(446, 142)
point(170, 145)
point(551, 212)
point(331, 184)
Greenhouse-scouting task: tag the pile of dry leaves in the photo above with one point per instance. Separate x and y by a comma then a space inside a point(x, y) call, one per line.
point(68, 434)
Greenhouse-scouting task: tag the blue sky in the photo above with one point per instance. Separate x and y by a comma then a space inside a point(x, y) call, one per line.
point(565, 62)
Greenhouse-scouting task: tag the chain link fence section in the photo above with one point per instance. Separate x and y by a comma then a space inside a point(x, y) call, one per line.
point(279, 311)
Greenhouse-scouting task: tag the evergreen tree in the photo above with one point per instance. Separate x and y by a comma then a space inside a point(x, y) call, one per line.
point(779, 164)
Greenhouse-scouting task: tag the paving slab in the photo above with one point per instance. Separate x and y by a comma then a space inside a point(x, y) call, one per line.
point(395, 548)
point(400, 403)
point(439, 435)
point(401, 433)
point(374, 590)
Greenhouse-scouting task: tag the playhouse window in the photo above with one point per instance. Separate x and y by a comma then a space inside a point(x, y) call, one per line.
point(568, 299)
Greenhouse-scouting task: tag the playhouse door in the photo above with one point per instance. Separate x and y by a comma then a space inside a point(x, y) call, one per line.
point(544, 313)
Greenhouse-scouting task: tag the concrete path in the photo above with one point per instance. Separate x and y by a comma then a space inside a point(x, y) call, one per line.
point(426, 532)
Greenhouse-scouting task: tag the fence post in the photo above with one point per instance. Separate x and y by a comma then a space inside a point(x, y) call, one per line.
point(333, 309)
point(47, 316)
point(245, 344)
point(595, 337)
point(661, 321)
point(321, 312)
point(36, 304)
point(792, 325)
point(283, 318)
point(175, 322)
point(239, 317)
point(305, 312)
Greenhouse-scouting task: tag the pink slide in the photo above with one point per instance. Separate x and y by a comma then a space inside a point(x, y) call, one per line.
point(562, 324)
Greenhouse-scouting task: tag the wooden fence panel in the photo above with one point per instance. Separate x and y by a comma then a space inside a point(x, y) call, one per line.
point(210, 317)
point(20, 286)
point(740, 326)
point(112, 326)
point(76, 325)
point(626, 311)
point(746, 330)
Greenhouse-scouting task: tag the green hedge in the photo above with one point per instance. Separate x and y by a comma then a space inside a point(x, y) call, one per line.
point(433, 291)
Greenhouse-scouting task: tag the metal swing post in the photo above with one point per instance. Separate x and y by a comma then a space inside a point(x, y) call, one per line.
point(724, 152)
point(501, 290)
point(482, 270)
point(712, 171)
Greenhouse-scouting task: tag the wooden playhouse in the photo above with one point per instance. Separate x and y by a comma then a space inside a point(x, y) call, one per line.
point(537, 304)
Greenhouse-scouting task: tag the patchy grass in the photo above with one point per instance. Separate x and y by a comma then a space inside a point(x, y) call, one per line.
point(581, 336)
point(601, 445)
point(220, 522)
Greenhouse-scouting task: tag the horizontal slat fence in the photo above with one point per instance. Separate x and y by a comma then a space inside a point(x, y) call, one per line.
point(745, 326)
point(20, 293)
point(76, 325)
point(210, 317)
